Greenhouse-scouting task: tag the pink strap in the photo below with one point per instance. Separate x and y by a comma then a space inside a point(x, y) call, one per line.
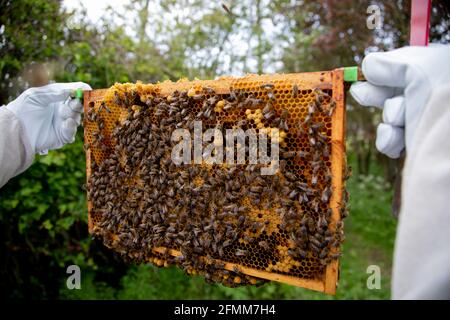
point(420, 22)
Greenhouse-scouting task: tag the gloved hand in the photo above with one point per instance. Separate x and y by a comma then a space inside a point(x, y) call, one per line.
point(400, 82)
point(48, 115)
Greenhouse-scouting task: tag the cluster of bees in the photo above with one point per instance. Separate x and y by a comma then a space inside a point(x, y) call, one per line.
point(212, 219)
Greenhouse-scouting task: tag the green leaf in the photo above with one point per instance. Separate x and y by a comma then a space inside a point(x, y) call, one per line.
point(66, 222)
point(47, 225)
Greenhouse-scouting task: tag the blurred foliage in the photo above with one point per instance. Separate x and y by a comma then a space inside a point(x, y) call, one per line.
point(26, 37)
point(43, 212)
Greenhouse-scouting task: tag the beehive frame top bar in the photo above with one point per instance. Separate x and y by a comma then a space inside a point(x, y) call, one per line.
point(333, 81)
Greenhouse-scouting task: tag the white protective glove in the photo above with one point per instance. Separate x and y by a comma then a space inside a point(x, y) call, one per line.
point(49, 115)
point(400, 82)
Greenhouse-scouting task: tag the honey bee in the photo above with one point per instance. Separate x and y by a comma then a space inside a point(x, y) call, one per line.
point(322, 223)
point(326, 151)
point(302, 198)
point(289, 154)
point(264, 245)
point(236, 269)
point(228, 106)
point(347, 173)
point(267, 86)
point(248, 239)
point(317, 126)
point(256, 226)
point(294, 91)
point(315, 248)
point(293, 194)
point(209, 90)
point(101, 107)
point(311, 109)
point(292, 253)
point(302, 253)
point(240, 253)
point(314, 179)
point(315, 242)
point(335, 255)
point(331, 108)
point(241, 220)
point(117, 100)
point(343, 211)
point(256, 189)
point(345, 196)
point(227, 243)
point(290, 176)
point(252, 103)
point(302, 154)
point(323, 253)
point(326, 194)
point(283, 120)
point(268, 111)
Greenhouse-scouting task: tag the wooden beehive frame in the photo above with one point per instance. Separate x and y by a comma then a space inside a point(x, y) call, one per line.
point(331, 80)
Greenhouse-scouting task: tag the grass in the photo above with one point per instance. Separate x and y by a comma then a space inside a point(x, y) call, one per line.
point(370, 232)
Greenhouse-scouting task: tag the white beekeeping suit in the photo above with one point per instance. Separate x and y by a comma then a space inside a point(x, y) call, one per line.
point(412, 85)
point(40, 119)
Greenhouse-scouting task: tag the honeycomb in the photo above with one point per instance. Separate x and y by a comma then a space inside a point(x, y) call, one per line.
point(226, 222)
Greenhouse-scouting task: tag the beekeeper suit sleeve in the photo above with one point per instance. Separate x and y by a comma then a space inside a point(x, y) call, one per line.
point(40, 119)
point(16, 153)
point(422, 248)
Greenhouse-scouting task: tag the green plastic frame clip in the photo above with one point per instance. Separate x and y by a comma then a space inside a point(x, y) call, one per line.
point(79, 94)
point(351, 74)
